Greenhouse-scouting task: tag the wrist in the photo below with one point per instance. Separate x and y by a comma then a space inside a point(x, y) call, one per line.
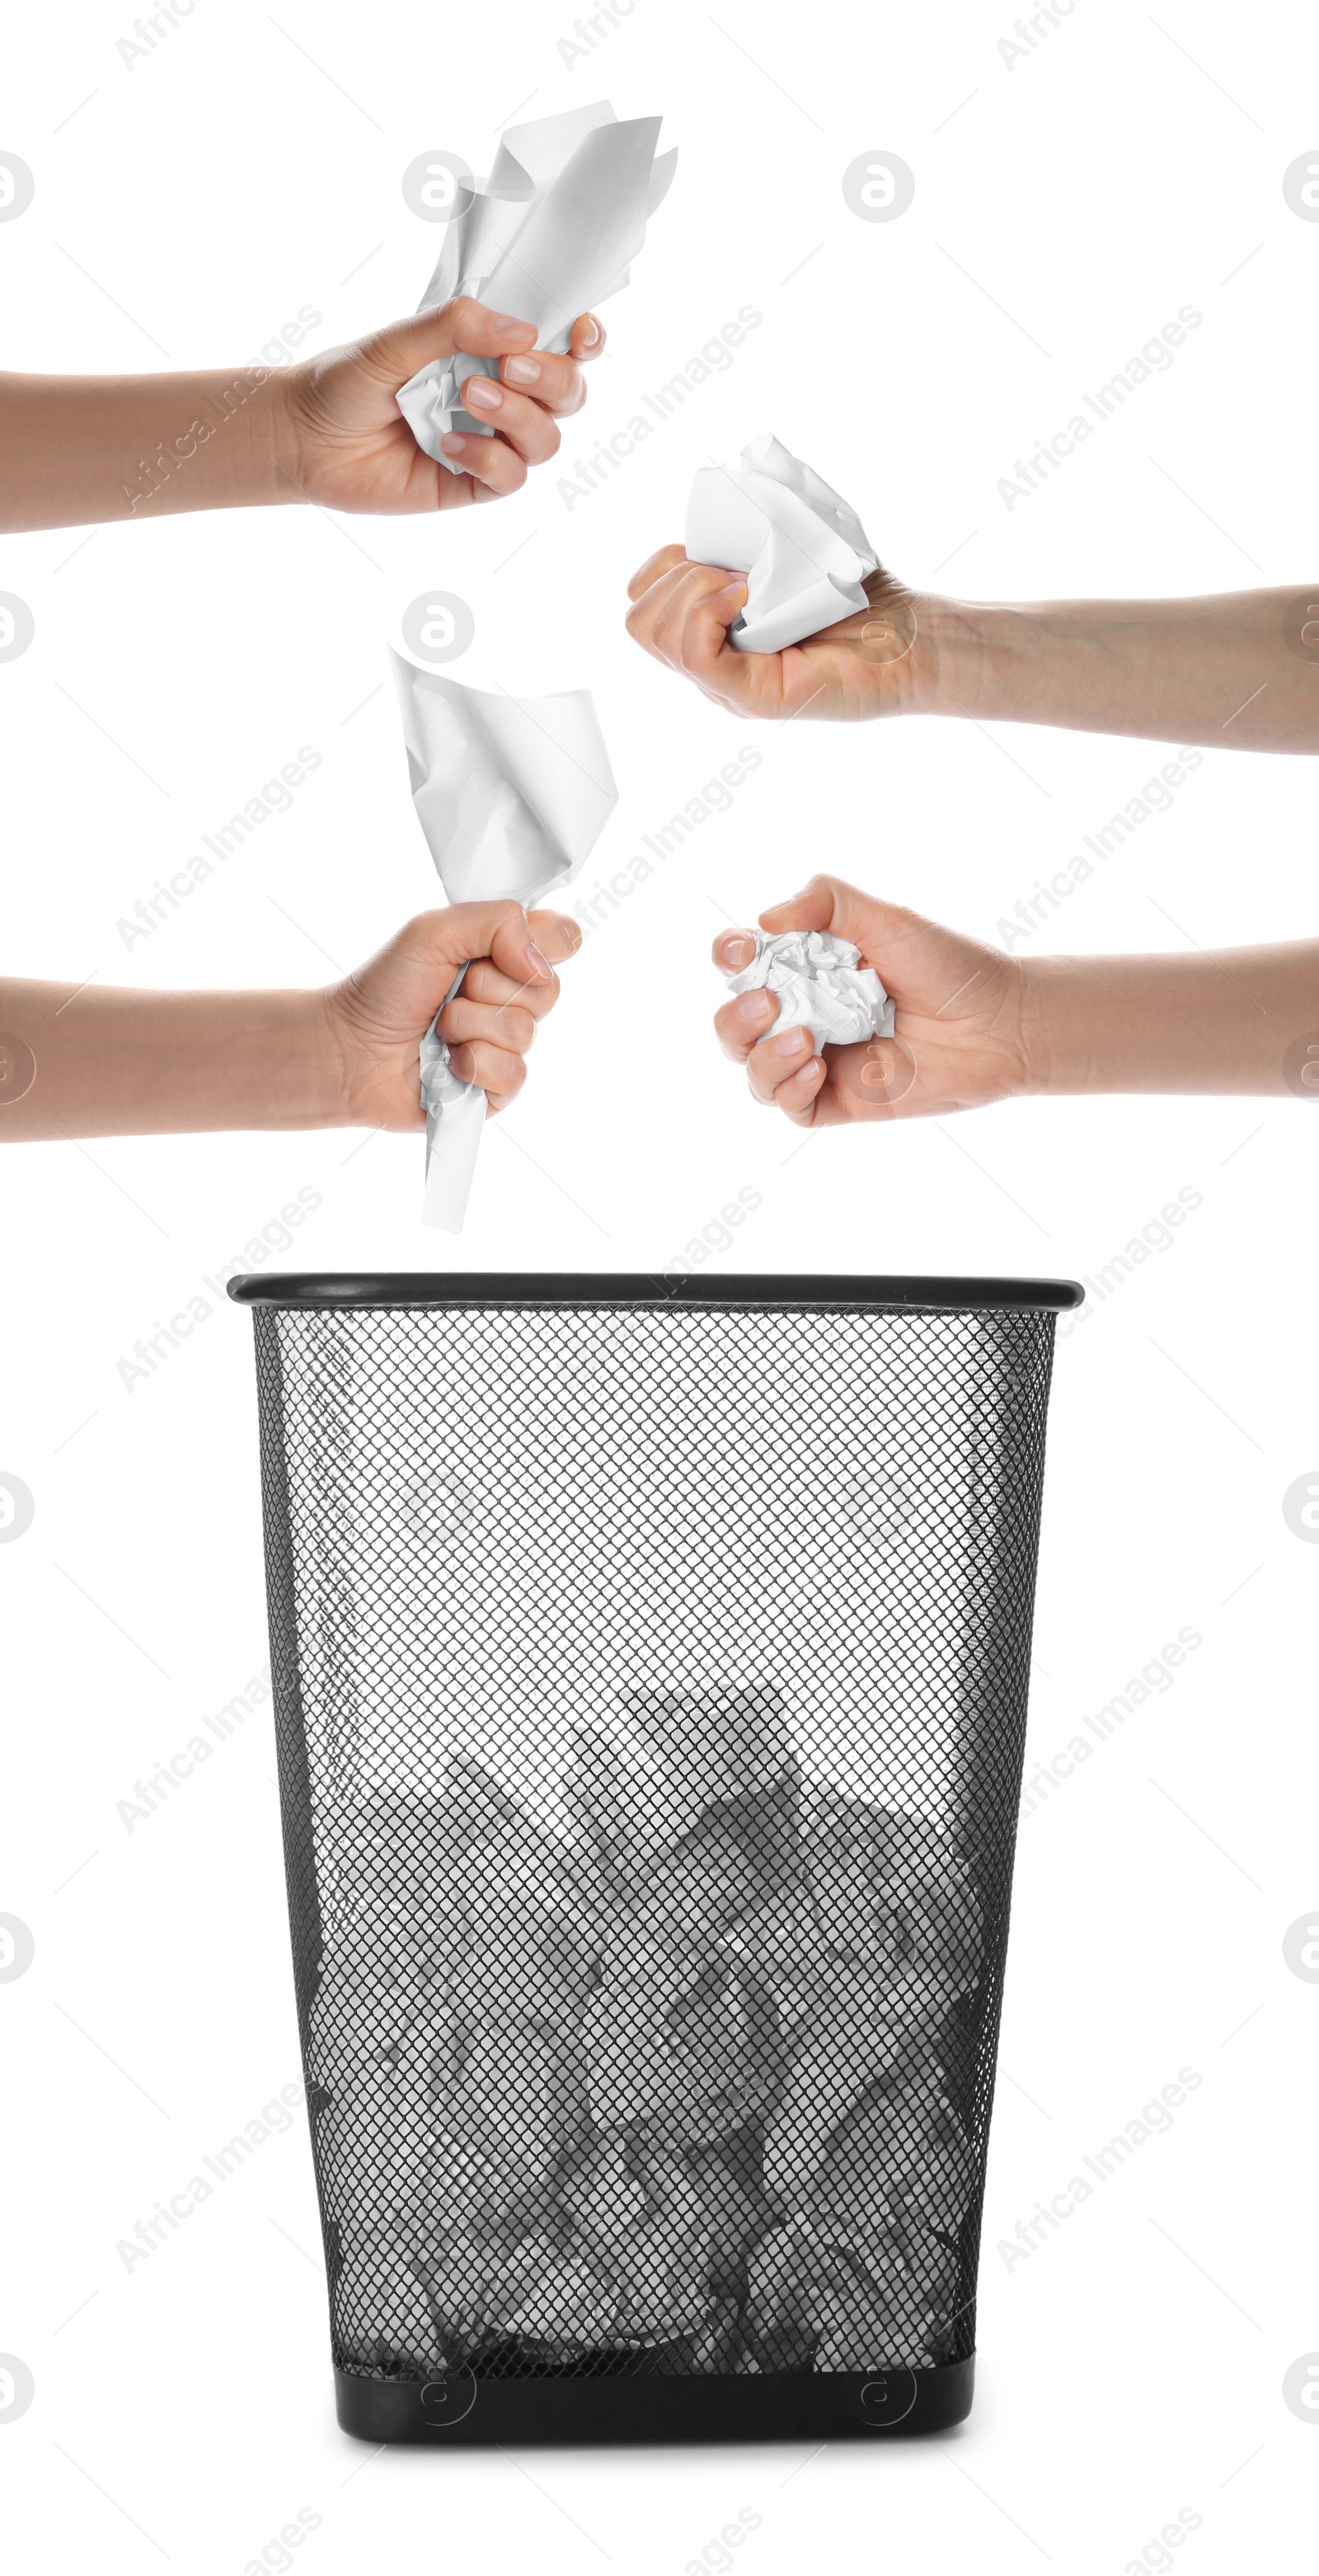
point(262, 1060)
point(265, 1059)
point(972, 658)
point(317, 1090)
point(274, 446)
point(1109, 1024)
point(229, 442)
point(1056, 1042)
point(248, 457)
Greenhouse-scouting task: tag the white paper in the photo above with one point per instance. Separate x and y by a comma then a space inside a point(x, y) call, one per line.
point(455, 1116)
point(550, 234)
point(802, 548)
point(820, 985)
point(512, 795)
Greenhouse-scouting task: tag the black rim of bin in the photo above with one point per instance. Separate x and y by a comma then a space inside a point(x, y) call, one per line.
point(334, 1289)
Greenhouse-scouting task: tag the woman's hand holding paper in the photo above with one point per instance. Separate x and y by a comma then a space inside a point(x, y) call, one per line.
point(973, 1025)
point(353, 448)
point(377, 1017)
point(512, 794)
point(865, 664)
point(92, 1059)
point(747, 607)
point(802, 620)
point(326, 430)
point(959, 1033)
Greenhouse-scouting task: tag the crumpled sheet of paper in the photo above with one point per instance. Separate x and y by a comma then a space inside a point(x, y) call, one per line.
point(802, 547)
point(551, 234)
point(512, 795)
point(682, 2075)
point(821, 985)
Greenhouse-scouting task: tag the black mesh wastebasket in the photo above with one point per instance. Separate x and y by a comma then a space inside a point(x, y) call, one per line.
point(650, 1674)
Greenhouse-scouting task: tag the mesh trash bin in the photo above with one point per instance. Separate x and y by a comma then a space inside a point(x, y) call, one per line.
point(650, 1668)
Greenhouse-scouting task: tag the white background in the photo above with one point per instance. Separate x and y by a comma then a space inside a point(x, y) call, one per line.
point(1132, 2365)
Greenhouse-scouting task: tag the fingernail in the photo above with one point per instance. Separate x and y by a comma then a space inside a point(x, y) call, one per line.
point(539, 965)
point(507, 326)
point(732, 589)
point(791, 1043)
point(739, 952)
point(573, 935)
point(521, 371)
point(592, 332)
point(752, 1005)
point(807, 1072)
point(480, 394)
point(452, 444)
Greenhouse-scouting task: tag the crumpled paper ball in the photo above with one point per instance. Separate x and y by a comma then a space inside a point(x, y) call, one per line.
point(646, 1777)
point(820, 984)
point(801, 546)
point(679, 2071)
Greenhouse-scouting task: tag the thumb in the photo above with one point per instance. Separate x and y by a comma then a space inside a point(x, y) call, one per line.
point(402, 348)
point(876, 928)
point(403, 985)
point(556, 934)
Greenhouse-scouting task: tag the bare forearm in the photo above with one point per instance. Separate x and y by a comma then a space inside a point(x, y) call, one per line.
point(1230, 1020)
point(1239, 669)
point(83, 448)
point(114, 1062)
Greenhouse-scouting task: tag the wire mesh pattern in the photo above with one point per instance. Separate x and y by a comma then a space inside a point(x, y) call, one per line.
point(650, 1692)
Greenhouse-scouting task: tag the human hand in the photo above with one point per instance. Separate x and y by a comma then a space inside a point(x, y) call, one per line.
point(375, 1019)
point(959, 1029)
point(868, 664)
point(351, 448)
point(1166, 670)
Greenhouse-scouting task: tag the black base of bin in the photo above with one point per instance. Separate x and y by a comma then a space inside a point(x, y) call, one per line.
point(783, 2406)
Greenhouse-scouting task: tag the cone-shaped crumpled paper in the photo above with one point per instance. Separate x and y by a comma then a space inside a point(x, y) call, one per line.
point(802, 548)
point(550, 235)
point(820, 985)
point(512, 794)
